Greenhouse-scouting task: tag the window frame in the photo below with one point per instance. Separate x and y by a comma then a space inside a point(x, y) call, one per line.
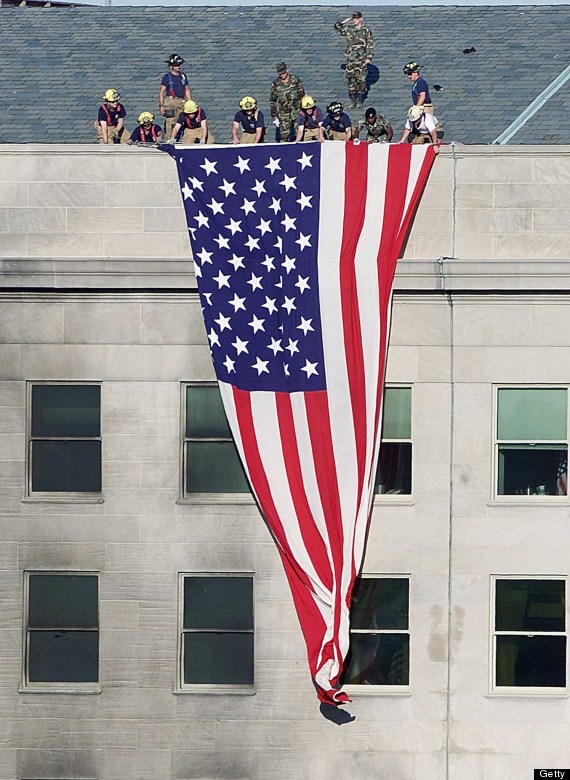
point(386, 690)
point(202, 498)
point(54, 496)
point(499, 498)
point(211, 688)
point(520, 690)
point(57, 687)
point(397, 498)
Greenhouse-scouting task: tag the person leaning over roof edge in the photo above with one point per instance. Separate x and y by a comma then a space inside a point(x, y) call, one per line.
point(191, 126)
point(378, 128)
point(284, 102)
point(337, 124)
point(174, 90)
point(420, 128)
point(251, 121)
point(310, 121)
point(110, 123)
point(420, 88)
point(359, 51)
point(147, 132)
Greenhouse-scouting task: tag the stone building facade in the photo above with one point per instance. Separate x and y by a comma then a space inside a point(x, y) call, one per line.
point(98, 292)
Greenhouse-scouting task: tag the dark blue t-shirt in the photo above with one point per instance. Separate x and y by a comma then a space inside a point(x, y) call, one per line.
point(139, 135)
point(420, 86)
point(310, 121)
point(338, 125)
point(175, 84)
point(111, 114)
point(249, 123)
point(192, 122)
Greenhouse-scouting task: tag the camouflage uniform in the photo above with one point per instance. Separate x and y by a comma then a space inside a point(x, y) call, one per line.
point(376, 131)
point(359, 48)
point(284, 103)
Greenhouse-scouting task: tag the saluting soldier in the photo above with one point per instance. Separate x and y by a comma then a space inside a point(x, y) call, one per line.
point(285, 101)
point(359, 52)
point(174, 90)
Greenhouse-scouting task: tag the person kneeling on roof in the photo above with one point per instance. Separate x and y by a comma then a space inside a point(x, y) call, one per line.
point(147, 132)
point(420, 128)
point(110, 123)
point(191, 126)
point(310, 121)
point(337, 124)
point(251, 121)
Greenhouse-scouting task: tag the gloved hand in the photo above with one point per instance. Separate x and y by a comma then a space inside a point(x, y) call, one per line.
point(202, 141)
point(276, 121)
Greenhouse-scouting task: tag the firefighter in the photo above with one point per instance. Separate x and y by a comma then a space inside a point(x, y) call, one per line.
point(110, 123)
point(191, 126)
point(251, 121)
point(147, 132)
point(310, 121)
point(174, 90)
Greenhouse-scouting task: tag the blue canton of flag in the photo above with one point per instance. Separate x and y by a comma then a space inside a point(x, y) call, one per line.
point(253, 217)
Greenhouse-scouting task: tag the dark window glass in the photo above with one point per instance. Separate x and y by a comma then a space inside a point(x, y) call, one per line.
point(63, 601)
point(63, 656)
point(59, 605)
point(66, 410)
point(380, 603)
point(218, 658)
point(205, 416)
point(218, 602)
point(530, 605)
point(539, 469)
point(378, 659)
point(214, 467)
point(66, 466)
point(531, 661)
point(394, 472)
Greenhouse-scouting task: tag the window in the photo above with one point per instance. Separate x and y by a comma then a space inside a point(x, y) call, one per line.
point(379, 651)
point(216, 647)
point(394, 473)
point(529, 633)
point(531, 445)
point(64, 450)
point(211, 460)
point(62, 630)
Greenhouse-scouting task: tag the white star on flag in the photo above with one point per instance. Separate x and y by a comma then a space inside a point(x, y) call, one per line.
point(259, 187)
point(236, 261)
point(240, 346)
point(222, 280)
point(248, 206)
point(242, 164)
point(289, 304)
point(289, 182)
point(264, 226)
point(256, 323)
point(205, 257)
point(305, 325)
point(209, 167)
point(305, 201)
point(202, 220)
point(289, 263)
point(229, 364)
point(292, 346)
point(255, 282)
point(234, 226)
point(261, 366)
point(223, 322)
point(302, 284)
point(273, 165)
point(310, 369)
point(269, 304)
point(252, 243)
point(196, 183)
point(275, 346)
point(303, 241)
point(217, 208)
point(305, 160)
point(186, 191)
point(222, 242)
point(213, 338)
point(275, 205)
point(228, 187)
point(237, 302)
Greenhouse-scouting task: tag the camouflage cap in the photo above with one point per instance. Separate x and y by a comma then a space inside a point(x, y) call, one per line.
point(281, 67)
point(357, 15)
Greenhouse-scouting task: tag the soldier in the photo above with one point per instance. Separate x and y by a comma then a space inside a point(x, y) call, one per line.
point(359, 52)
point(310, 121)
point(110, 123)
point(337, 124)
point(376, 127)
point(284, 101)
point(174, 90)
point(192, 124)
point(251, 120)
point(147, 132)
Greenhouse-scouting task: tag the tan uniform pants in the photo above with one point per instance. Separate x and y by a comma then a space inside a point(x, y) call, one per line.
point(172, 108)
point(247, 138)
point(337, 135)
point(112, 133)
point(194, 135)
point(311, 134)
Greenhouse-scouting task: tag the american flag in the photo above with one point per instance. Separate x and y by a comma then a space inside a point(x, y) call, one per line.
point(295, 247)
point(562, 477)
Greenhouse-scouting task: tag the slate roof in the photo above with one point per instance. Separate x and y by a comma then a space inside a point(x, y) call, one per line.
point(58, 62)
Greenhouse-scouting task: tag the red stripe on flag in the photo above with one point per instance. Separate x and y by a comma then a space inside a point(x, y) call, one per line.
point(355, 186)
point(310, 618)
point(312, 539)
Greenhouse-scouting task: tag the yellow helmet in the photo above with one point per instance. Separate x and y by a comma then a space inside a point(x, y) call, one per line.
point(190, 107)
point(111, 95)
point(248, 103)
point(146, 118)
point(307, 102)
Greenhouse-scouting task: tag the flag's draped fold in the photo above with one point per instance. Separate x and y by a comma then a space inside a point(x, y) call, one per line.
point(295, 248)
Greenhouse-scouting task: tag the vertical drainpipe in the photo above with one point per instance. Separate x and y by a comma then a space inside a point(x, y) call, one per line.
point(449, 297)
